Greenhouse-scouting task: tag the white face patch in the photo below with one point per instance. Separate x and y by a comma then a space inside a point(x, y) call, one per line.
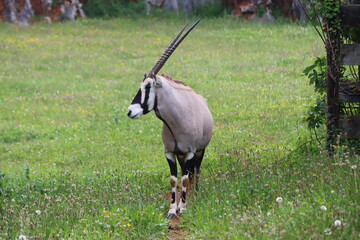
point(143, 93)
point(135, 111)
point(151, 101)
point(148, 93)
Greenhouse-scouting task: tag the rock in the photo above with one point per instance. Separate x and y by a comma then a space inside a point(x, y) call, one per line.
point(10, 12)
point(26, 14)
point(251, 10)
point(299, 13)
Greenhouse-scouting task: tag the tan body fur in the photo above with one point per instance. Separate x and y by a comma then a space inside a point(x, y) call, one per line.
point(186, 114)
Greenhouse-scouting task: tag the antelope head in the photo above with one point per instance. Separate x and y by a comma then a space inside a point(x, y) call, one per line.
point(145, 100)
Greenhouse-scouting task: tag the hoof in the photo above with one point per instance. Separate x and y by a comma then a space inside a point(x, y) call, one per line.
point(181, 212)
point(171, 215)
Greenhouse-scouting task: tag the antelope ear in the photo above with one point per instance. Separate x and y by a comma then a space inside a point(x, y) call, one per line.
point(145, 76)
point(158, 84)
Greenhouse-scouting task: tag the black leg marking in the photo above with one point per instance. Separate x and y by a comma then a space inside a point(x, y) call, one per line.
point(183, 197)
point(199, 156)
point(173, 196)
point(181, 159)
point(187, 168)
point(173, 167)
point(173, 182)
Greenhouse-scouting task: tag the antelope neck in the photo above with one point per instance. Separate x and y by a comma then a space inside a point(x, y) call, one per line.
point(158, 114)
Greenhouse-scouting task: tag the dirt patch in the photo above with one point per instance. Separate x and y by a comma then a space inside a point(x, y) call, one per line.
point(175, 231)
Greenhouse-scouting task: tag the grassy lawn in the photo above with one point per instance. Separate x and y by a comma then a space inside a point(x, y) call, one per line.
point(74, 166)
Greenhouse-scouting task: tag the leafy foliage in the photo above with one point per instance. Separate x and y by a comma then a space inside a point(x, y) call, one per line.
point(328, 10)
point(316, 73)
point(210, 9)
point(114, 8)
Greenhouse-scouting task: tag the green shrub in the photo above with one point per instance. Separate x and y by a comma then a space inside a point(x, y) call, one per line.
point(113, 8)
point(210, 10)
point(316, 73)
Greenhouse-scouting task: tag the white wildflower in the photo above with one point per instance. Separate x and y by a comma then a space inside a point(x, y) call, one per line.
point(328, 231)
point(323, 207)
point(337, 223)
point(279, 199)
point(23, 237)
point(38, 212)
point(353, 167)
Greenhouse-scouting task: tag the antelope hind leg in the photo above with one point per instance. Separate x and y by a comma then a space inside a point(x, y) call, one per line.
point(199, 156)
point(189, 157)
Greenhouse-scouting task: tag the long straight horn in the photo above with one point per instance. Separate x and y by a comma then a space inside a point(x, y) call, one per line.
point(167, 49)
point(171, 48)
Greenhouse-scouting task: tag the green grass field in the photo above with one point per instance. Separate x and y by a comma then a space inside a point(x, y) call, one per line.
point(73, 166)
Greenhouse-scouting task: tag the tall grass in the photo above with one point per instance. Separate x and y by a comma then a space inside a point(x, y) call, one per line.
point(74, 166)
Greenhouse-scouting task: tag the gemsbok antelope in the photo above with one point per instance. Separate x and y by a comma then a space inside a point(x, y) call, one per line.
point(187, 122)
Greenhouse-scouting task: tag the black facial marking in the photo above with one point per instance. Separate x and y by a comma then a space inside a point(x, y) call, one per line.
point(144, 105)
point(137, 98)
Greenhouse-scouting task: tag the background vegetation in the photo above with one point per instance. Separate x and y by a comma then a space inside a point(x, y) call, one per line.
point(73, 166)
point(114, 8)
point(121, 8)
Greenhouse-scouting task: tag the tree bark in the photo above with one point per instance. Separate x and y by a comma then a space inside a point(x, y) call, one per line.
point(332, 83)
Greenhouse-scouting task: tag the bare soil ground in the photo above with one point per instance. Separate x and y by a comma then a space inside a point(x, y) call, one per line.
point(175, 230)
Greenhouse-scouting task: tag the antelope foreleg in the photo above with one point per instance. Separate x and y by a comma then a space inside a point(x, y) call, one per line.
point(173, 182)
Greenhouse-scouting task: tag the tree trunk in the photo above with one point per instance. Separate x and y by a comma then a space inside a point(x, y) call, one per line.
point(175, 5)
point(333, 75)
